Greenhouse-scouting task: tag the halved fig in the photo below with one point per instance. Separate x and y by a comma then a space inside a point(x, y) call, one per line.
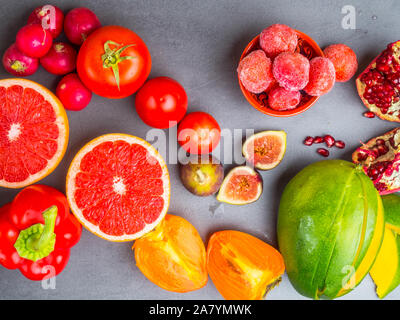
point(242, 185)
point(379, 84)
point(265, 150)
point(202, 175)
point(380, 159)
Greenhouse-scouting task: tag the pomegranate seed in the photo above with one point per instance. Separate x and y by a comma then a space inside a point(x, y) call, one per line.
point(380, 167)
point(323, 152)
point(362, 156)
point(382, 150)
point(369, 114)
point(318, 140)
point(389, 171)
point(391, 141)
point(329, 140)
point(308, 141)
point(340, 144)
point(380, 142)
point(374, 173)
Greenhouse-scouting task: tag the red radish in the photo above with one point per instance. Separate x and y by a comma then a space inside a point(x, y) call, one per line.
point(33, 40)
point(61, 59)
point(73, 93)
point(19, 64)
point(79, 23)
point(49, 17)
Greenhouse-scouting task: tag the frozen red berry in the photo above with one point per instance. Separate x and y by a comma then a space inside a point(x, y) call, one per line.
point(291, 70)
point(282, 99)
point(255, 71)
point(344, 60)
point(278, 38)
point(322, 77)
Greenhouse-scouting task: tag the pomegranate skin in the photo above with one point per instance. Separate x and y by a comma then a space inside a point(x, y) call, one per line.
point(19, 64)
point(61, 59)
point(33, 40)
point(41, 16)
point(380, 160)
point(392, 110)
point(79, 23)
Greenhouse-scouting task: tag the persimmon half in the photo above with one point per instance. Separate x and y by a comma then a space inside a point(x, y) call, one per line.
point(173, 256)
point(241, 266)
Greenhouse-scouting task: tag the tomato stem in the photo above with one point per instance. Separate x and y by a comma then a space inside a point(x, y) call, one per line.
point(112, 57)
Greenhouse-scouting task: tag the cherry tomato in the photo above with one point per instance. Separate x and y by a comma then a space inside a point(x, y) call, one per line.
point(161, 102)
point(113, 62)
point(199, 133)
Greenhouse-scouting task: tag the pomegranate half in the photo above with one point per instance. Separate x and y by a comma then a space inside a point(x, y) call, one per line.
point(380, 159)
point(379, 84)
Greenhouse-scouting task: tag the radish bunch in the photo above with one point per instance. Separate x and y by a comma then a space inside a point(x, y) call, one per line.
point(34, 45)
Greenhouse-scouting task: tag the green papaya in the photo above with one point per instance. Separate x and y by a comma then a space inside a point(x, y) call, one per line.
point(330, 228)
point(386, 269)
point(391, 204)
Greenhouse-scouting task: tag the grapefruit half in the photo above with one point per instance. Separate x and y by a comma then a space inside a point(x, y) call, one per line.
point(33, 132)
point(118, 187)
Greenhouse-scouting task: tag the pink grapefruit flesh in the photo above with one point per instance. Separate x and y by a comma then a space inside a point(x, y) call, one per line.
point(33, 132)
point(118, 187)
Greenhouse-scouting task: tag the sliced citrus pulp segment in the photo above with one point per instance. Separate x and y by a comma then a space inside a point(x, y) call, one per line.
point(33, 132)
point(118, 187)
point(265, 149)
point(242, 185)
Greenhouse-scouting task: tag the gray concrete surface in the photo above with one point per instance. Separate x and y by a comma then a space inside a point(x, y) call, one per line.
point(199, 44)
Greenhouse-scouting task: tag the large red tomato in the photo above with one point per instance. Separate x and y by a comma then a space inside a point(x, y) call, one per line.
point(199, 133)
point(161, 102)
point(113, 62)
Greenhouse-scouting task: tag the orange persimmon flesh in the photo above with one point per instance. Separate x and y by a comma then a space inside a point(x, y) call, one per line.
point(241, 266)
point(173, 256)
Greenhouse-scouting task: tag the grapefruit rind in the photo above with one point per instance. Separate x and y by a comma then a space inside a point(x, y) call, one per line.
point(222, 191)
point(74, 169)
point(61, 122)
point(280, 134)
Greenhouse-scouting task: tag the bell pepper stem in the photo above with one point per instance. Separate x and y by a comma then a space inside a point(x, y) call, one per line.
point(50, 216)
point(38, 241)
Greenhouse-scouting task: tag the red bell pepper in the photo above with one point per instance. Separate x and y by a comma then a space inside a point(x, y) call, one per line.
point(37, 231)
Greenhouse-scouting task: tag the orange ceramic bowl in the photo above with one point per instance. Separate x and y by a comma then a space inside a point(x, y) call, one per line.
point(307, 47)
